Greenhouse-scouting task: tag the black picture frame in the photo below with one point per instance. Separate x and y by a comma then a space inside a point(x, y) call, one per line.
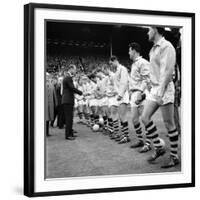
point(29, 94)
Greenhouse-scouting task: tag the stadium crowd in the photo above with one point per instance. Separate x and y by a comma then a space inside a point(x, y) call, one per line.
point(83, 63)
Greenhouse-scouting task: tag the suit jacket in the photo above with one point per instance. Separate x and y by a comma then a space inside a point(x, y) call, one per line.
point(69, 90)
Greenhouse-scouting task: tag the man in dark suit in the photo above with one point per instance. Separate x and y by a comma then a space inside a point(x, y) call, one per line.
point(68, 100)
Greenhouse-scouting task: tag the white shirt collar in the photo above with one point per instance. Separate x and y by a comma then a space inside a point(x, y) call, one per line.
point(159, 42)
point(70, 74)
point(138, 58)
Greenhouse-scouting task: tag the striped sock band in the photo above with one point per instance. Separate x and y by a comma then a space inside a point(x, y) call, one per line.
point(125, 130)
point(116, 126)
point(138, 131)
point(105, 119)
point(110, 125)
point(92, 119)
point(96, 119)
point(122, 128)
point(80, 115)
point(148, 142)
point(85, 115)
point(152, 134)
point(173, 138)
point(88, 117)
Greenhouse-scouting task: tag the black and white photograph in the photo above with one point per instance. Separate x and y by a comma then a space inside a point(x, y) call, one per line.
point(111, 100)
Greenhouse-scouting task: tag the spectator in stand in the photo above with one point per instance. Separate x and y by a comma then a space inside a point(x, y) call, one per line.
point(59, 114)
point(51, 101)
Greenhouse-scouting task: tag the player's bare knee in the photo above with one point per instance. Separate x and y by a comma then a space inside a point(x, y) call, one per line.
point(169, 124)
point(145, 120)
point(114, 112)
point(114, 117)
point(135, 120)
point(123, 118)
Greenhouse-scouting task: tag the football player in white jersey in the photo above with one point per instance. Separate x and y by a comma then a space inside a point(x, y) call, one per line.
point(88, 88)
point(105, 102)
point(92, 100)
point(96, 101)
point(122, 98)
point(79, 99)
point(85, 100)
point(88, 94)
point(138, 84)
point(112, 112)
point(162, 66)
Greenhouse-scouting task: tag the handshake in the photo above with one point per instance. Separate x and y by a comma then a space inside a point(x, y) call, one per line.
point(86, 94)
point(140, 97)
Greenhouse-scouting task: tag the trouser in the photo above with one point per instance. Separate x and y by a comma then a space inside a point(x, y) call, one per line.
point(68, 113)
point(47, 128)
point(60, 122)
point(58, 112)
point(54, 117)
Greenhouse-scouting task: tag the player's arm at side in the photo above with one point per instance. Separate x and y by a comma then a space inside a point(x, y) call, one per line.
point(144, 72)
point(123, 82)
point(167, 64)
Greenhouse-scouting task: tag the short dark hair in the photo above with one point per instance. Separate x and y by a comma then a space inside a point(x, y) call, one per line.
point(113, 58)
point(91, 76)
point(135, 46)
point(98, 70)
point(161, 30)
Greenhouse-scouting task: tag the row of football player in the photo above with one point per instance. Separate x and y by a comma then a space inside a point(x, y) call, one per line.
point(112, 88)
point(100, 106)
